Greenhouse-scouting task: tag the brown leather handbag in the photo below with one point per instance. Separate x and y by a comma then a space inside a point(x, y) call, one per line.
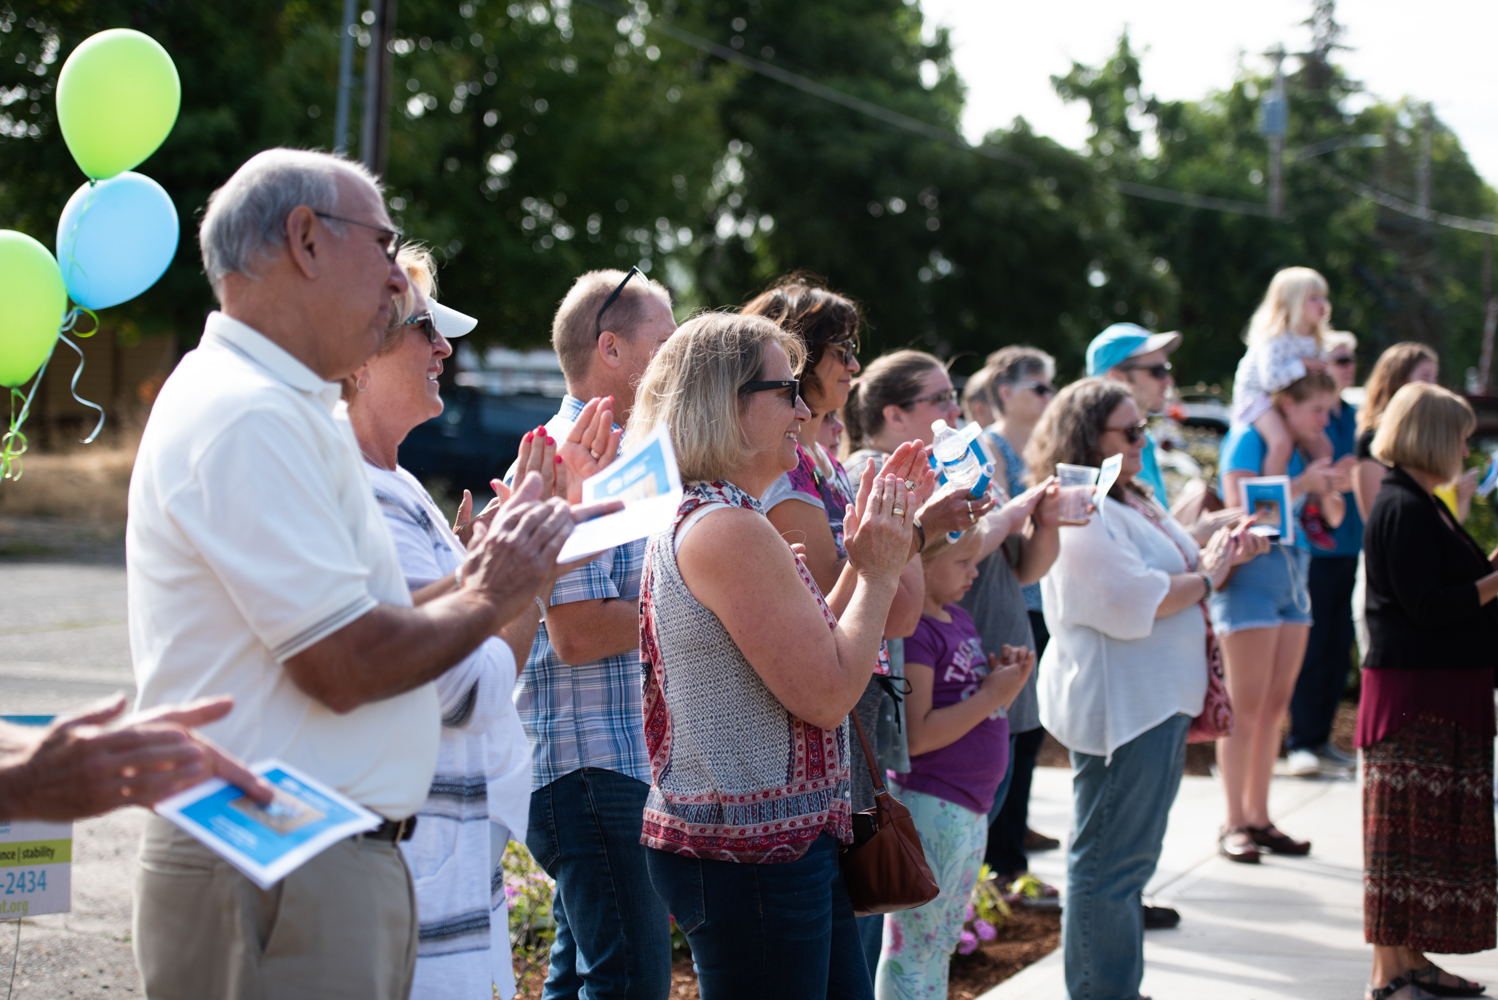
point(884, 868)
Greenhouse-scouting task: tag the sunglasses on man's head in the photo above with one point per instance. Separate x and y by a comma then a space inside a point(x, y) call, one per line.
point(426, 324)
point(1156, 371)
point(394, 237)
point(770, 386)
point(1131, 433)
point(598, 320)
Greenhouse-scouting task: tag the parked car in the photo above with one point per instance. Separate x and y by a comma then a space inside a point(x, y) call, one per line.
point(1200, 410)
point(475, 439)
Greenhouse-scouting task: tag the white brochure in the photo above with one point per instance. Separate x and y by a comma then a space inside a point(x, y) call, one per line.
point(1107, 476)
point(649, 484)
point(267, 843)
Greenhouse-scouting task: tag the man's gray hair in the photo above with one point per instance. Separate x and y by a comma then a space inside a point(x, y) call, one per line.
point(246, 218)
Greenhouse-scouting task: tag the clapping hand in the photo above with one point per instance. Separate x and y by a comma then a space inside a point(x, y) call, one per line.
point(538, 454)
point(591, 444)
point(878, 532)
point(1007, 672)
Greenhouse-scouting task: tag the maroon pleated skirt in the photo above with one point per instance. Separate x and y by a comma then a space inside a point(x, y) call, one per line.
point(1430, 874)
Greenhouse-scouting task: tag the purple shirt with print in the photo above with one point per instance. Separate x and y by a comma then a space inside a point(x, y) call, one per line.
point(967, 772)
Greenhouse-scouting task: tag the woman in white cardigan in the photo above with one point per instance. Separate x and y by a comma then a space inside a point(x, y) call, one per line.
point(1122, 677)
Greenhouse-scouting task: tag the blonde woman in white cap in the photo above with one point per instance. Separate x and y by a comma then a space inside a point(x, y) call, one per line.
point(479, 798)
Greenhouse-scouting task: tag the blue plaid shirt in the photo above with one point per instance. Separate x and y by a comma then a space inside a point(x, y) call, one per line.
point(590, 715)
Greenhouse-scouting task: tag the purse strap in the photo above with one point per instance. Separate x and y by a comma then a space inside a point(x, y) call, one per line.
point(868, 755)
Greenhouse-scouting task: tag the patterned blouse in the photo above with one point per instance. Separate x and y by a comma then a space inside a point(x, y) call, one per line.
point(735, 777)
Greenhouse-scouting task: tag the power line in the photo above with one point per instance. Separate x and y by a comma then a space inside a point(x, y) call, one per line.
point(909, 124)
point(1397, 204)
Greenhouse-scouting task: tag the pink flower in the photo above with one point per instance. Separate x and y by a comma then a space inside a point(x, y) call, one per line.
point(967, 944)
point(985, 930)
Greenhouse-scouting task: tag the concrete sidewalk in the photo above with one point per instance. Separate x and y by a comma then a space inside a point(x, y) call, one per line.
point(1286, 928)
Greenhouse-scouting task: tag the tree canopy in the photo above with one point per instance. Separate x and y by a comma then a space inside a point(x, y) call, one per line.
point(536, 139)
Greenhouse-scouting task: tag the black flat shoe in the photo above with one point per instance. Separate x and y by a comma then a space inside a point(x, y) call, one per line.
point(1431, 979)
point(1399, 988)
point(1162, 918)
point(1270, 839)
point(1238, 845)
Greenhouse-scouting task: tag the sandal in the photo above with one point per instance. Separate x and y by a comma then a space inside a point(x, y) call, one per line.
point(1238, 845)
point(1430, 979)
point(1399, 988)
point(1270, 838)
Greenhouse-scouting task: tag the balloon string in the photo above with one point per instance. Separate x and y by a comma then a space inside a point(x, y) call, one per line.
point(70, 322)
point(66, 250)
point(13, 443)
point(73, 387)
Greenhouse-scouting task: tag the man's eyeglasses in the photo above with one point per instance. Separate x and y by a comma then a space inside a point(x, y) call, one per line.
point(426, 325)
point(937, 398)
point(1342, 361)
point(1039, 388)
point(1131, 433)
point(1157, 372)
point(784, 383)
point(598, 320)
point(392, 245)
point(845, 350)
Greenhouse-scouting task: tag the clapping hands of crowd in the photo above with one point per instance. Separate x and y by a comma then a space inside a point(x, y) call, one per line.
point(1231, 545)
point(1327, 477)
point(879, 532)
point(95, 761)
point(1008, 670)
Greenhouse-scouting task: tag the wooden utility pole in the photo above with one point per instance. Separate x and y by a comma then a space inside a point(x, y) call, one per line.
point(1276, 124)
point(374, 135)
point(1490, 321)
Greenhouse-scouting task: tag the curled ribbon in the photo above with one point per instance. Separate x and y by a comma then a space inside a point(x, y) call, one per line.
point(13, 443)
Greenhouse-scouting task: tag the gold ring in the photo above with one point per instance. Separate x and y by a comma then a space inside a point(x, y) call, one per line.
point(970, 518)
point(899, 511)
point(910, 486)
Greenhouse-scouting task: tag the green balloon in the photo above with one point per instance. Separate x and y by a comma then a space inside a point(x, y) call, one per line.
point(32, 300)
point(117, 100)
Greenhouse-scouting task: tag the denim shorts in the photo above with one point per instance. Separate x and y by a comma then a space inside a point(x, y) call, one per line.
point(1268, 591)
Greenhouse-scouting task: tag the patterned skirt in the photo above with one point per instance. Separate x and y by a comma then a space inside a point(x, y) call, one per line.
point(1429, 867)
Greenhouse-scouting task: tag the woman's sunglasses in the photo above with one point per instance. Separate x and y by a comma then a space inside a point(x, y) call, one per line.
point(1131, 433)
point(846, 352)
point(936, 398)
point(770, 386)
point(427, 326)
point(1043, 389)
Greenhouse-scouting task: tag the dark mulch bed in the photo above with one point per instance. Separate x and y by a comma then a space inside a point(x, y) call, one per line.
point(1029, 936)
point(1201, 756)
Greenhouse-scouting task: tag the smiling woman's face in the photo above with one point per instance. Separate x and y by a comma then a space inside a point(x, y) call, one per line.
point(835, 373)
point(402, 382)
point(772, 418)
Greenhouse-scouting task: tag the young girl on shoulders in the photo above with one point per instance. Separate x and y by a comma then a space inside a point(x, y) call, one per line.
point(959, 751)
point(1286, 339)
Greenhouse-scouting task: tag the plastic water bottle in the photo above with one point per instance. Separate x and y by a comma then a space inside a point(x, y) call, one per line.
point(955, 455)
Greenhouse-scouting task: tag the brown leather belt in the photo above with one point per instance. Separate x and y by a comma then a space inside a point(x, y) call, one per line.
point(392, 830)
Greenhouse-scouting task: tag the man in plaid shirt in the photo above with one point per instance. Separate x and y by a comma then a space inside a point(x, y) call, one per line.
point(579, 696)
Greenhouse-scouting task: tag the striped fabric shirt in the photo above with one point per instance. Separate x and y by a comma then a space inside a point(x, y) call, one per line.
point(589, 715)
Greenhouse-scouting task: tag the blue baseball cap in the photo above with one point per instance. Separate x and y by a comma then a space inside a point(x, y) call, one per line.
point(1122, 341)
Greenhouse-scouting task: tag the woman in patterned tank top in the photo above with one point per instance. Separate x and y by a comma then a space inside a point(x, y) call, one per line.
point(749, 677)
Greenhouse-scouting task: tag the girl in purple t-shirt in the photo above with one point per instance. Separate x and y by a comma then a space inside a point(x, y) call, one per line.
point(959, 751)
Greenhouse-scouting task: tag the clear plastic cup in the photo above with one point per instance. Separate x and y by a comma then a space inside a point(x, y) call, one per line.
point(1078, 484)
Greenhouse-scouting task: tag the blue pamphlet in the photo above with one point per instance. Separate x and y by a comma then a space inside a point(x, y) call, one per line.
point(267, 843)
point(646, 481)
point(1268, 498)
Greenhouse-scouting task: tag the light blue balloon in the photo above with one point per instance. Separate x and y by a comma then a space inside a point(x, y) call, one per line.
point(115, 239)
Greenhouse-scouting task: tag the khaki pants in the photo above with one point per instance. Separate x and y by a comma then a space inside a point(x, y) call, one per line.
point(342, 925)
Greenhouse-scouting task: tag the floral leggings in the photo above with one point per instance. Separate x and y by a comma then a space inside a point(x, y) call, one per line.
point(918, 943)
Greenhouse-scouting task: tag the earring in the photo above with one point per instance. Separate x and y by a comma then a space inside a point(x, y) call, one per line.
point(362, 382)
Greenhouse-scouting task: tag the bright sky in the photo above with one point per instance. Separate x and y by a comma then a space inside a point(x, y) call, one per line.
point(1006, 52)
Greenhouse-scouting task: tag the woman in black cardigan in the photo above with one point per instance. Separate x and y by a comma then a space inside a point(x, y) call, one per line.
point(1426, 718)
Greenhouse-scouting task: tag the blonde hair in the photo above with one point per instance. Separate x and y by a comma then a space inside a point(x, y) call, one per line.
point(1390, 373)
point(941, 543)
point(1280, 311)
point(574, 329)
point(1424, 427)
point(692, 386)
point(421, 268)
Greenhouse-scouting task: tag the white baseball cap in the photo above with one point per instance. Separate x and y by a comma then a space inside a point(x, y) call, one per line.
point(449, 322)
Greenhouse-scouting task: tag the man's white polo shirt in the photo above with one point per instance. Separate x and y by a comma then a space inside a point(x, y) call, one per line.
point(253, 533)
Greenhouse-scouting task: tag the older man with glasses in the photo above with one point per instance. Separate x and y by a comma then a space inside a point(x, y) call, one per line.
point(579, 695)
point(1128, 353)
point(259, 566)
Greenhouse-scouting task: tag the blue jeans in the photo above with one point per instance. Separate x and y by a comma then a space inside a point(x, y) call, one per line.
point(613, 932)
point(775, 930)
point(1121, 811)
point(1323, 673)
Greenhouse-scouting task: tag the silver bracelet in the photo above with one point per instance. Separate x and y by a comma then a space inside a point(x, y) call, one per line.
point(542, 605)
